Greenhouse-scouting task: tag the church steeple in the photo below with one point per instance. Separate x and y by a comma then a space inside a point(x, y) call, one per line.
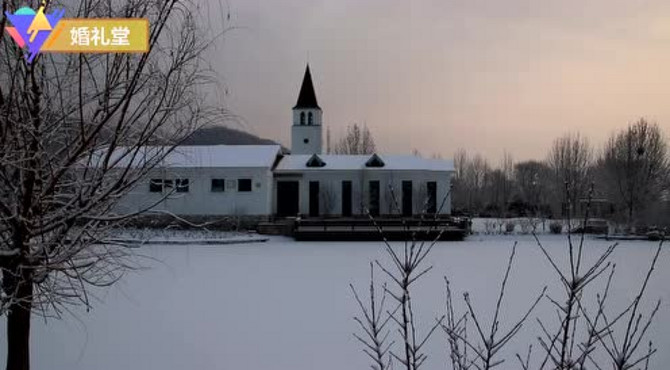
point(307, 96)
point(307, 118)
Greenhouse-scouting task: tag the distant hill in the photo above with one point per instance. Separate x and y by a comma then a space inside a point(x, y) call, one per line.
point(224, 135)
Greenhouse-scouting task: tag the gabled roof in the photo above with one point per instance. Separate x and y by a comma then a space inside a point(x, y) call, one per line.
point(374, 161)
point(358, 162)
point(315, 161)
point(307, 97)
point(203, 156)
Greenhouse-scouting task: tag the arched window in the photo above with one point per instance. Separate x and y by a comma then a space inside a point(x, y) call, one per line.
point(310, 121)
point(302, 118)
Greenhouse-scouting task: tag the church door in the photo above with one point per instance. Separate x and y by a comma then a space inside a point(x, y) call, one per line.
point(288, 198)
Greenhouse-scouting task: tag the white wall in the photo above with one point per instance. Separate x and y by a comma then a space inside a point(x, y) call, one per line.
point(332, 180)
point(200, 200)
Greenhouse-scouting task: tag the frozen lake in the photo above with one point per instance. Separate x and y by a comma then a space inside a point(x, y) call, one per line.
point(287, 305)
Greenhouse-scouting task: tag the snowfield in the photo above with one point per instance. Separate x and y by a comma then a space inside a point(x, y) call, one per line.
point(287, 305)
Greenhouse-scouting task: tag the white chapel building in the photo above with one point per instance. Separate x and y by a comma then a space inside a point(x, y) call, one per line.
point(261, 180)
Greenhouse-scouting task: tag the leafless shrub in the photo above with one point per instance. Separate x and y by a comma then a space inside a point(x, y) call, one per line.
point(373, 323)
point(581, 337)
point(482, 352)
point(564, 347)
point(406, 267)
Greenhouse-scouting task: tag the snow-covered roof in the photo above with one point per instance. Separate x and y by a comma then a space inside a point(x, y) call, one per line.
point(357, 162)
point(240, 156)
point(250, 156)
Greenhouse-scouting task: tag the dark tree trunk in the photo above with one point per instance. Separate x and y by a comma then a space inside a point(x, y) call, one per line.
point(18, 325)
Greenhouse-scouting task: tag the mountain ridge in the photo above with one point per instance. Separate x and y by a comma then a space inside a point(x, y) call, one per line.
point(222, 135)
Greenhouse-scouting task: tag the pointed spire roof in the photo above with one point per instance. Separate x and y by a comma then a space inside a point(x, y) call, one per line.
point(307, 97)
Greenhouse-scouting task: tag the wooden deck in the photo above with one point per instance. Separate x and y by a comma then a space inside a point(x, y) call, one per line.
point(364, 229)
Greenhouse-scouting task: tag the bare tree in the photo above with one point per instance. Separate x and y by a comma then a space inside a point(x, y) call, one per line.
point(458, 181)
point(328, 150)
point(358, 140)
point(507, 167)
point(475, 181)
point(531, 179)
point(570, 159)
point(496, 197)
point(73, 139)
point(634, 167)
point(460, 164)
point(499, 185)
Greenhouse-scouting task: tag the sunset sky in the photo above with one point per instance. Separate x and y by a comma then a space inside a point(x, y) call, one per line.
point(438, 75)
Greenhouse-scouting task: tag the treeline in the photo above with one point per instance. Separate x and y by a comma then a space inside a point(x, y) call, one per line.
point(625, 181)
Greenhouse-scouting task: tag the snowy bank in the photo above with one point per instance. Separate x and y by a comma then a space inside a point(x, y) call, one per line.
point(184, 237)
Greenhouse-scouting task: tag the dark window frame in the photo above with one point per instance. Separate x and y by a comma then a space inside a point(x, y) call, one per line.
point(407, 198)
point(182, 185)
point(156, 185)
point(243, 188)
point(374, 197)
point(347, 197)
point(218, 185)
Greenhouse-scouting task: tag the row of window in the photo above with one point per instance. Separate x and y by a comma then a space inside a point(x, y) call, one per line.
point(182, 185)
point(160, 185)
point(310, 119)
point(406, 199)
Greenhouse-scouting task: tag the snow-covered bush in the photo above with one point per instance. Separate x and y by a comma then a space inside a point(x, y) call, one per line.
point(556, 227)
point(528, 225)
point(489, 227)
point(509, 227)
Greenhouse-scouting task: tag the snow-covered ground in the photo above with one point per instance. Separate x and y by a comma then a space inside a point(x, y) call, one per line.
point(287, 305)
